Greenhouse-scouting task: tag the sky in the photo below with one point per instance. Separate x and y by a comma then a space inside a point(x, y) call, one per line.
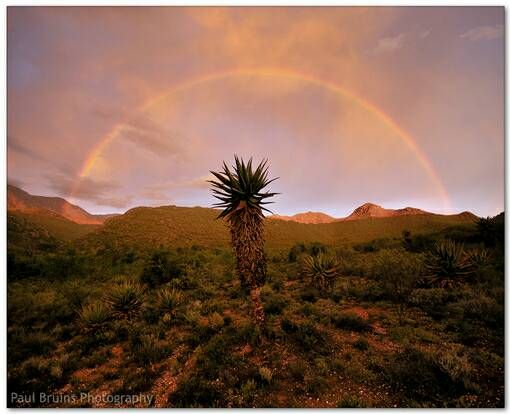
point(117, 107)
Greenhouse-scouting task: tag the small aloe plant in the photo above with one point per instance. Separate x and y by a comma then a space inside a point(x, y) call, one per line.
point(125, 299)
point(447, 264)
point(322, 269)
point(94, 316)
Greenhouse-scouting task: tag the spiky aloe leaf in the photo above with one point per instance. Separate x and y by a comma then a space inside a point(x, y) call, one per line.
point(241, 187)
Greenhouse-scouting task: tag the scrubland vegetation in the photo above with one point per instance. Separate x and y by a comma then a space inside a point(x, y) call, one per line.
point(414, 319)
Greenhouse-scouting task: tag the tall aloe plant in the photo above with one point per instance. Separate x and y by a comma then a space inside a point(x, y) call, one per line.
point(241, 195)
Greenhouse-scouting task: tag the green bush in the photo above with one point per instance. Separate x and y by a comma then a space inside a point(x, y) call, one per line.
point(148, 349)
point(427, 376)
point(350, 321)
point(432, 301)
point(160, 268)
point(274, 304)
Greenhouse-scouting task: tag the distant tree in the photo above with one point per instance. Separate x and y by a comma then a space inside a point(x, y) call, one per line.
point(241, 196)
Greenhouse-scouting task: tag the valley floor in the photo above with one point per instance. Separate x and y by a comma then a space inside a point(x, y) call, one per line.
point(350, 347)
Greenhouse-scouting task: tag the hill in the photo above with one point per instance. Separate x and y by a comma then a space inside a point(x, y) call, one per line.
point(19, 200)
point(24, 226)
point(309, 217)
point(145, 227)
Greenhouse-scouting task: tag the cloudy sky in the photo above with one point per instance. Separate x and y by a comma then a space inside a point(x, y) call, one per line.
point(118, 107)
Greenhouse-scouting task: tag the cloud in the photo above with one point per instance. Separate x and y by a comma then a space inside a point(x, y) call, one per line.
point(483, 33)
point(158, 192)
point(389, 44)
point(425, 33)
point(144, 132)
point(15, 144)
point(86, 188)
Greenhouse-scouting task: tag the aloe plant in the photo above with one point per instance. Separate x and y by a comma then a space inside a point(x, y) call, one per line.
point(94, 316)
point(447, 264)
point(168, 300)
point(241, 196)
point(322, 269)
point(125, 299)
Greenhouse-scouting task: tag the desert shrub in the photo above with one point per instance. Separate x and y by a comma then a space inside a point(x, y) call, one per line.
point(125, 299)
point(315, 385)
point(362, 289)
point(311, 249)
point(266, 375)
point(309, 294)
point(135, 381)
point(160, 268)
point(350, 321)
point(148, 349)
point(375, 245)
point(417, 243)
point(168, 300)
point(274, 304)
point(24, 343)
point(491, 230)
point(297, 369)
point(432, 300)
point(94, 316)
point(248, 390)
point(429, 376)
point(397, 272)
point(305, 335)
point(37, 375)
point(481, 308)
point(350, 401)
point(196, 392)
point(361, 344)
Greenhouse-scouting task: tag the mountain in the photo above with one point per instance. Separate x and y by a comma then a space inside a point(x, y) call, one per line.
point(365, 211)
point(370, 210)
point(21, 201)
point(309, 217)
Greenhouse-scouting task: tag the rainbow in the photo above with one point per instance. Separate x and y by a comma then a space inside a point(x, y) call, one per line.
point(405, 137)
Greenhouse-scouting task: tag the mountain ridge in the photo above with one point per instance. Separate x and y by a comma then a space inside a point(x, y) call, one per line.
point(21, 200)
point(365, 211)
